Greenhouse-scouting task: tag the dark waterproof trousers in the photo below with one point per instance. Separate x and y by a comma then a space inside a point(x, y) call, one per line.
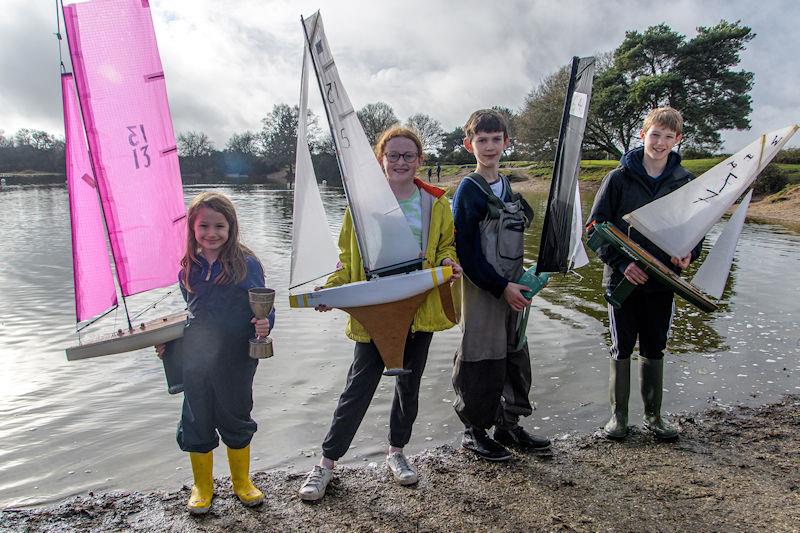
point(643, 315)
point(493, 392)
point(362, 381)
point(217, 371)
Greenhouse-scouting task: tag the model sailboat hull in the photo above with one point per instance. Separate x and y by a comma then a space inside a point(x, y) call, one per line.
point(375, 292)
point(159, 331)
point(607, 233)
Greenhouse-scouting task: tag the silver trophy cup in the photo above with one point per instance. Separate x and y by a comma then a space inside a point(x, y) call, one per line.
point(261, 303)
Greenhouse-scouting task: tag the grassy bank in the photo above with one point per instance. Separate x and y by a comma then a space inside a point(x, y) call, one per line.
point(591, 169)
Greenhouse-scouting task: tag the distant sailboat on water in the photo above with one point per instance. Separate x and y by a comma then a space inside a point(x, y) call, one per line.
point(129, 181)
point(678, 221)
point(396, 285)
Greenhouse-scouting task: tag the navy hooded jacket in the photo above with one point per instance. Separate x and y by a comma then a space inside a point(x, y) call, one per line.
point(625, 189)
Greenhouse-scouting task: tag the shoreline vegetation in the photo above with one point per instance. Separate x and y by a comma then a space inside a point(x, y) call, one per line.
point(782, 207)
point(734, 468)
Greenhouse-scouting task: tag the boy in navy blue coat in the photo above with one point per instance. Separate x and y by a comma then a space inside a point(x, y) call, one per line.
point(645, 173)
point(491, 377)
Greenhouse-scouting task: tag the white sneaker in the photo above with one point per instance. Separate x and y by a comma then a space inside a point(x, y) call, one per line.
point(315, 484)
point(403, 472)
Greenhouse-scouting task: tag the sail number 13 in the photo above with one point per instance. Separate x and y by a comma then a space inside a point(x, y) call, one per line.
point(137, 138)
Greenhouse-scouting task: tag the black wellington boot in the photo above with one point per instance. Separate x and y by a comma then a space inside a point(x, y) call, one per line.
point(651, 379)
point(619, 390)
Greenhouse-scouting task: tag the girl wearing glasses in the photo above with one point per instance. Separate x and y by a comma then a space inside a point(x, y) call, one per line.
point(428, 213)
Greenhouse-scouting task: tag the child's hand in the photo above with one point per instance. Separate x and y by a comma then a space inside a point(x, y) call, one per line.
point(457, 270)
point(682, 262)
point(514, 298)
point(262, 326)
point(634, 274)
point(160, 350)
point(321, 308)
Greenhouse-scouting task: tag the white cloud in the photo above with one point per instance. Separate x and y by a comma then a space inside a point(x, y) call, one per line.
point(228, 62)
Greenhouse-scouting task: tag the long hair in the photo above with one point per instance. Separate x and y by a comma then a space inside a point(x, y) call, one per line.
point(232, 257)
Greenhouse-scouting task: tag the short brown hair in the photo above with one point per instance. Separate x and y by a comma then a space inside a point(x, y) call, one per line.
point(666, 117)
point(487, 121)
point(391, 133)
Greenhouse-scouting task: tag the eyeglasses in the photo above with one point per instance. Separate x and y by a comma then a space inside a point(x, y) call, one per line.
point(408, 157)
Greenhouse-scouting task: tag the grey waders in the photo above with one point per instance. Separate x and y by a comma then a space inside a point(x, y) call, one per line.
point(619, 390)
point(651, 380)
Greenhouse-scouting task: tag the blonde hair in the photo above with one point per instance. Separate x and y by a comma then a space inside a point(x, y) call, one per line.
point(665, 117)
point(232, 256)
point(487, 121)
point(391, 133)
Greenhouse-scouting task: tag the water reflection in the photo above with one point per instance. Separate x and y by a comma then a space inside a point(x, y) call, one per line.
point(108, 423)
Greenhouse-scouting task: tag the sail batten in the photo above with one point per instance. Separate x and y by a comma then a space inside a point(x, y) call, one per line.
point(385, 239)
point(121, 87)
point(561, 247)
point(678, 221)
point(93, 280)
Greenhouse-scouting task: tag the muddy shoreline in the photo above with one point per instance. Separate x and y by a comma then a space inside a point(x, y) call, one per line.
point(733, 469)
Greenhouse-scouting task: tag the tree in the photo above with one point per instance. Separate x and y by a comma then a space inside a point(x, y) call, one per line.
point(540, 118)
point(36, 139)
point(245, 143)
point(429, 130)
point(660, 67)
point(279, 135)
point(194, 144)
point(375, 119)
point(453, 141)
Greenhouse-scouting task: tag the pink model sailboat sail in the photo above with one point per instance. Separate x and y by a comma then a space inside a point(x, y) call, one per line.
point(132, 168)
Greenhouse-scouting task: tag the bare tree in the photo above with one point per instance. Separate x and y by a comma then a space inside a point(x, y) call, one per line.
point(375, 119)
point(429, 130)
point(194, 144)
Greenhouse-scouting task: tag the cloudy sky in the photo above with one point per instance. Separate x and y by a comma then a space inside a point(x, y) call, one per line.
point(227, 62)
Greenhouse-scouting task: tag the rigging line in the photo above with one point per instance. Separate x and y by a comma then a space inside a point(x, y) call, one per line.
point(153, 305)
point(95, 319)
point(314, 279)
point(59, 38)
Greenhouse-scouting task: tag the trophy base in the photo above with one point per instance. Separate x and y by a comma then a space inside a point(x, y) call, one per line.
point(261, 348)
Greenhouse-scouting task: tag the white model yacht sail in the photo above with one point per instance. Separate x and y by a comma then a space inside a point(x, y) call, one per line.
point(385, 304)
point(678, 221)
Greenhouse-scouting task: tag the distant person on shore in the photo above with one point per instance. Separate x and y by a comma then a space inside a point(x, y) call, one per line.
point(425, 207)
point(644, 174)
point(430, 172)
point(491, 378)
point(217, 271)
point(438, 171)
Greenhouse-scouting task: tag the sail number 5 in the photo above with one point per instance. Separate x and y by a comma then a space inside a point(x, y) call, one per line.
point(138, 140)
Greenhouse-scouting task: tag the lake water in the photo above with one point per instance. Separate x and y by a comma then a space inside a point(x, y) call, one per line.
point(108, 423)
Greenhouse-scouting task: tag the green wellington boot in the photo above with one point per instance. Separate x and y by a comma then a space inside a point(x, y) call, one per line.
point(619, 390)
point(203, 489)
point(239, 461)
point(651, 380)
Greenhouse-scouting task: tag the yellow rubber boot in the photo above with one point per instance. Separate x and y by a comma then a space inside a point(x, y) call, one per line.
point(239, 461)
point(203, 488)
